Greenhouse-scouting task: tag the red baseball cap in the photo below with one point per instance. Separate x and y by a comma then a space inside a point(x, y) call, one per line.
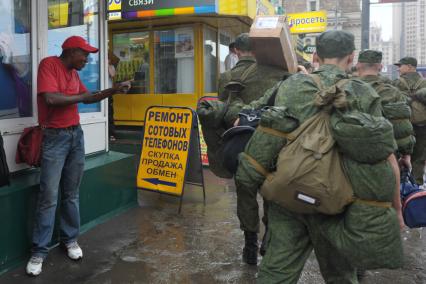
point(78, 42)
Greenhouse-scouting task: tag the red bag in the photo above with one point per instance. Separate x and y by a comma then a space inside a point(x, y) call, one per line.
point(29, 146)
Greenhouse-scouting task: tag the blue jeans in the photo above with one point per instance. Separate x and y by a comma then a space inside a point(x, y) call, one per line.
point(62, 166)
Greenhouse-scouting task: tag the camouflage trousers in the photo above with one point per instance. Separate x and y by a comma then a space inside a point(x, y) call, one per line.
point(248, 209)
point(419, 153)
point(292, 239)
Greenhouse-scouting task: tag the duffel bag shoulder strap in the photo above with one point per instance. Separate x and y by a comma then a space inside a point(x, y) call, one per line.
point(248, 72)
point(417, 85)
point(317, 80)
point(413, 88)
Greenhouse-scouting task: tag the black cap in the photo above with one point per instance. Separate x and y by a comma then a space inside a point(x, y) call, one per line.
point(407, 61)
point(370, 56)
point(242, 42)
point(335, 44)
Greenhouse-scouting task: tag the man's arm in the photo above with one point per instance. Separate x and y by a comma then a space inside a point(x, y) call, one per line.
point(396, 204)
point(58, 99)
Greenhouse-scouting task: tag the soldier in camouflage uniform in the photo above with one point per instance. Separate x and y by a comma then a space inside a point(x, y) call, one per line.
point(409, 82)
point(292, 235)
point(260, 79)
point(369, 67)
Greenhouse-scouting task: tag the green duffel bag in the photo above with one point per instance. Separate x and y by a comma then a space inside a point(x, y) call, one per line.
point(406, 145)
point(363, 137)
point(211, 114)
point(397, 110)
point(367, 233)
point(402, 128)
point(364, 181)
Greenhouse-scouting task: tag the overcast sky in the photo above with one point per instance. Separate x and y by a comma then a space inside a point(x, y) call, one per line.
point(381, 14)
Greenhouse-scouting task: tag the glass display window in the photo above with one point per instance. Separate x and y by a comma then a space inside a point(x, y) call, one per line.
point(76, 17)
point(210, 60)
point(15, 59)
point(130, 54)
point(174, 61)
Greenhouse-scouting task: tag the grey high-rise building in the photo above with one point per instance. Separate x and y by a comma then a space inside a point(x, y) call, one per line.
point(409, 30)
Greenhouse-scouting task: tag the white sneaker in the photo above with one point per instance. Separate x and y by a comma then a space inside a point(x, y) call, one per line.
point(74, 251)
point(34, 266)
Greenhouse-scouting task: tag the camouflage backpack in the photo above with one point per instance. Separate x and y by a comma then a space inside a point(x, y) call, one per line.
point(418, 109)
point(309, 177)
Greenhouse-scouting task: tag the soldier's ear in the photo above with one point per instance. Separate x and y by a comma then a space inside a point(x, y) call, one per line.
point(351, 59)
point(316, 58)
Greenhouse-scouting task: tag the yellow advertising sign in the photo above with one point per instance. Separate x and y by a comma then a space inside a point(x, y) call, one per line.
point(164, 156)
point(114, 5)
point(309, 22)
point(58, 15)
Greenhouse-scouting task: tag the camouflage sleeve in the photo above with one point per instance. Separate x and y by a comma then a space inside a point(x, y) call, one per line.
point(263, 100)
point(221, 91)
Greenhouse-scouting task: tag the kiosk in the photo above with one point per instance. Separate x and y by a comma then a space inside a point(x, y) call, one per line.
point(173, 50)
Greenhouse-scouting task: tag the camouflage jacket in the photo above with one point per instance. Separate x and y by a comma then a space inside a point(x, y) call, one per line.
point(261, 79)
point(412, 78)
point(297, 93)
point(390, 94)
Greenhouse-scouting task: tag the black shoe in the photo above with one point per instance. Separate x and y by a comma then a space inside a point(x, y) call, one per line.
point(250, 255)
point(361, 274)
point(250, 248)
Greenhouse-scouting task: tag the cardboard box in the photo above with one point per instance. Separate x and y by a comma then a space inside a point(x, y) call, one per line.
point(271, 42)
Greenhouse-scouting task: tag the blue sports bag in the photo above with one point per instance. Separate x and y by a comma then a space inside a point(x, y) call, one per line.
point(413, 202)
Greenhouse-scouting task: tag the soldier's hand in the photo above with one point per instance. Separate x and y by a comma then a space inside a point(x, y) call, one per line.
point(302, 69)
point(405, 162)
point(400, 219)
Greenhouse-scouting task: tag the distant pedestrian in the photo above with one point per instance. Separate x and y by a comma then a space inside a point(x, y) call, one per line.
point(232, 58)
point(409, 83)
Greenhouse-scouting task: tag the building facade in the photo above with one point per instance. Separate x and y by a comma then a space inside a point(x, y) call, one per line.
point(341, 15)
point(409, 30)
point(386, 47)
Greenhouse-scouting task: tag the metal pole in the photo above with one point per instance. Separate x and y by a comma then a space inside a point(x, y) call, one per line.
point(402, 36)
point(365, 35)
point(336, 15)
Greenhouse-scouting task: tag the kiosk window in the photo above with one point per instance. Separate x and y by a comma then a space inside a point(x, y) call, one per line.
point(15, 59)
point(77, 17)
point(210, 60)
point(174, 61)
point(131, 50)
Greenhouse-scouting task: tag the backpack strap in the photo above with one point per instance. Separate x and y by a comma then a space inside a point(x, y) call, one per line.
point(381, 87)
point(258, 167)
point(249, 71)
point(412, 89)
point(405, 83)
point(326, 96)
point(317, 80)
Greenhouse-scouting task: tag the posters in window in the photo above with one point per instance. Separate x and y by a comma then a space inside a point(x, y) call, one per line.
point(184, 43)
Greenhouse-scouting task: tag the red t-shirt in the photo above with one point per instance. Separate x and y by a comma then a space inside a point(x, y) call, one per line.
point(54, 77)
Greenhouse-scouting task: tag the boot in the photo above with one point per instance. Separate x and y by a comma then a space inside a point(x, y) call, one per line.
point(250, 248)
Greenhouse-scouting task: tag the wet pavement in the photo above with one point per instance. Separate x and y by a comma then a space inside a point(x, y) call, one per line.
point(154, 244)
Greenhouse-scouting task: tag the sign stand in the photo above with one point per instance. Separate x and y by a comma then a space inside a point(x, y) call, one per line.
point(171, 153)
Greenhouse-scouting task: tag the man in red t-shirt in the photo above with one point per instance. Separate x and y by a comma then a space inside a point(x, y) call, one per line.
point(59, 90)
